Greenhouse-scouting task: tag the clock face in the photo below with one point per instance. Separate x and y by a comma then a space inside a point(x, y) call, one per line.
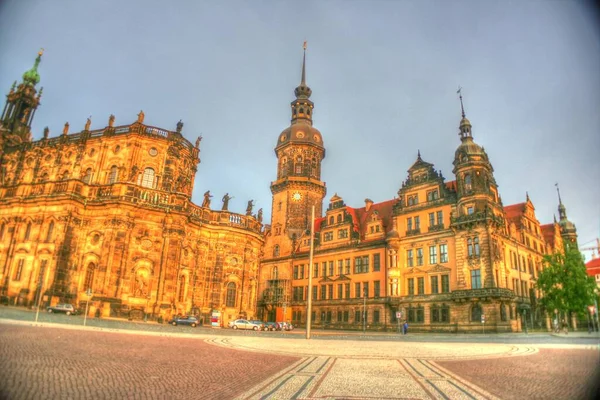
point(297, 196)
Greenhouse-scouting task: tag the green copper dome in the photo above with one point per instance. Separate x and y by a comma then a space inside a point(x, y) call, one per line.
point(32, 77)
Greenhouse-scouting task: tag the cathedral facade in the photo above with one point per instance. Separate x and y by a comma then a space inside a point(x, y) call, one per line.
point(106, 215)
point(443, 255)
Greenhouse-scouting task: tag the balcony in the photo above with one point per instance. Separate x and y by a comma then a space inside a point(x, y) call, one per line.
point(412, 232)
point(436, 228)
point(502, 294)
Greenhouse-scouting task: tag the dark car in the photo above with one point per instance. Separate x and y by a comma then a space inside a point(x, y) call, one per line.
point(272, 326)
point(186, 320)
point(64, 308)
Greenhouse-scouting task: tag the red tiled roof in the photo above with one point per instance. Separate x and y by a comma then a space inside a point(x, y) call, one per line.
point(451, 185)
point(318, 222)
point(514, 211)
point(548, 233)
point(360, 216)
point(593, 266)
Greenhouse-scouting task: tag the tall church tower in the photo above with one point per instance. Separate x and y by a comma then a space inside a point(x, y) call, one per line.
point(478, 218)
point(21, 103)
point(568, 230)
point(299, 153)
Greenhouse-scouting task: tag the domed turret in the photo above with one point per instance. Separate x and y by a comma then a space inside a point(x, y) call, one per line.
point(32, 77)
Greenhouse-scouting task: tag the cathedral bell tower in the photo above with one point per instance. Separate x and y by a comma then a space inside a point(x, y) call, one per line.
point(568, 230)
point(299, 153)
point(21, 103)
point(476, 187)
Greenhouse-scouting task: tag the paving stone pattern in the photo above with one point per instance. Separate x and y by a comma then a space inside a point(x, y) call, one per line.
point(549, 374)
point(55, 363)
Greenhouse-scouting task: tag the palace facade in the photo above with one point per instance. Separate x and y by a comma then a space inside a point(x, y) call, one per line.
point(108, 211)
point(443, 255)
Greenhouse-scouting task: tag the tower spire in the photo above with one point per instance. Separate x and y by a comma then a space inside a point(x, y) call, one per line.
point(32, 77)
point(465, 124)
point(558, 191)
point(303, 82)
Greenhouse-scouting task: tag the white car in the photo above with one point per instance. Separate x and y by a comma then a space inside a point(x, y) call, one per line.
point(245, 324)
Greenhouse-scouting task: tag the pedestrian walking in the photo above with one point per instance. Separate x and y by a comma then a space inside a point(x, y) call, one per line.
point(565, 327)
point(405, 327)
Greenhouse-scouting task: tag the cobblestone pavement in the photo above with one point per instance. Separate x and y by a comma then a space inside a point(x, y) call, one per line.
point(54, 361)
point(58, 363)
point(559, 374)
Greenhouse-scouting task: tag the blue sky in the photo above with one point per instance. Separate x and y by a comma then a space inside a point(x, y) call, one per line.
point(384, 76)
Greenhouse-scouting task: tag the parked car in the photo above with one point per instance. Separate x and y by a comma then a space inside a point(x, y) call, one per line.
point(272, 326)
point(64, 308)
point(286, 326)
point(245, 324)
point(185, 320)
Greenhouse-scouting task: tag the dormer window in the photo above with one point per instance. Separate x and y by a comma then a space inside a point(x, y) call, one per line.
point(339, 218)
point(331, 220)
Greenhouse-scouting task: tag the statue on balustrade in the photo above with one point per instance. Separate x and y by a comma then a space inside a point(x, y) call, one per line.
point(141, 116)
point(206, 201)
point(226, 199)
point(134, 171)
point(46, 133)
point(249, 207)
point(259, 216)
point(88, 123)
point(198, 141)
point(111, 120)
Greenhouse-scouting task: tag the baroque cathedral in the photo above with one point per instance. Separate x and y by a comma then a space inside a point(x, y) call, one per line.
point(106, 215)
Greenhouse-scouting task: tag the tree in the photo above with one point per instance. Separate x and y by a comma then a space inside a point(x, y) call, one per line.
point(564, 283)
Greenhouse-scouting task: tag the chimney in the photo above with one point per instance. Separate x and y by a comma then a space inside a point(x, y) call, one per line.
point(368, 204)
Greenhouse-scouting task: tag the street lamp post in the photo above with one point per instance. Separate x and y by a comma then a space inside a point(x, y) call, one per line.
point(41, 293)
point(364, 310)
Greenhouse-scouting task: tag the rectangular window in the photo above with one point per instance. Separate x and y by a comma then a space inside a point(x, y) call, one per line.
point(316, 270)
point(366, 289)
point(432, 255)
point(330, 268)
point(421, 285)
point(301, 273)
point(330, 294)
point(376, 316)
point(358, 265)
point(409, 224)
point(411, 286)
point(435, 314)
point(346, 316)
point(409, 258)
point(340, 291)
point(340, 267)
point(376, 262)
point(328, 318)
point(434, 285)
point(357, 318)
point(470, 210)
point(376, 289)
point(323, 292)
point(443, 253)
point(365, 263)
point(440, 218)
point(357, 290)
point(445, 317)
point(342, 233)
point(295, 272)
point(339, 316)
point(419, 256)
point(445, 284)
point(328, 236)
point(314, 294)
point(417, 223)
point(347, 266)
point(431, 219)
point(475, 279)
point(347, 290)
point(19, 270)
point(420, 314)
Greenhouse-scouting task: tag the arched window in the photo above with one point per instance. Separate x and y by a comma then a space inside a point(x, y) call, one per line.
point(65, 175)
point(339, 218)
point(470, 247)
point(112, 176)
point(476, 313)
point(502, 312)
point(231, 292)
point(275, 274)
point(88, 176)
point(44, 177)
point(468, 185)
point(27, 231)
point(331, 220)
point(314, 171)
point(276, 250)
point(308, 111)
point(181, 296)
point(147, 179)
point(89, 277)
point(50, 230)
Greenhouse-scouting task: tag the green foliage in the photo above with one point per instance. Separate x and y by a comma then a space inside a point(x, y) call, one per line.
point(564, 283)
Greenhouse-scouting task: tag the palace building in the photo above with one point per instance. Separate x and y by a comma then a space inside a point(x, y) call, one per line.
point(443, 255)
point(109, 211)
point(106, 215)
